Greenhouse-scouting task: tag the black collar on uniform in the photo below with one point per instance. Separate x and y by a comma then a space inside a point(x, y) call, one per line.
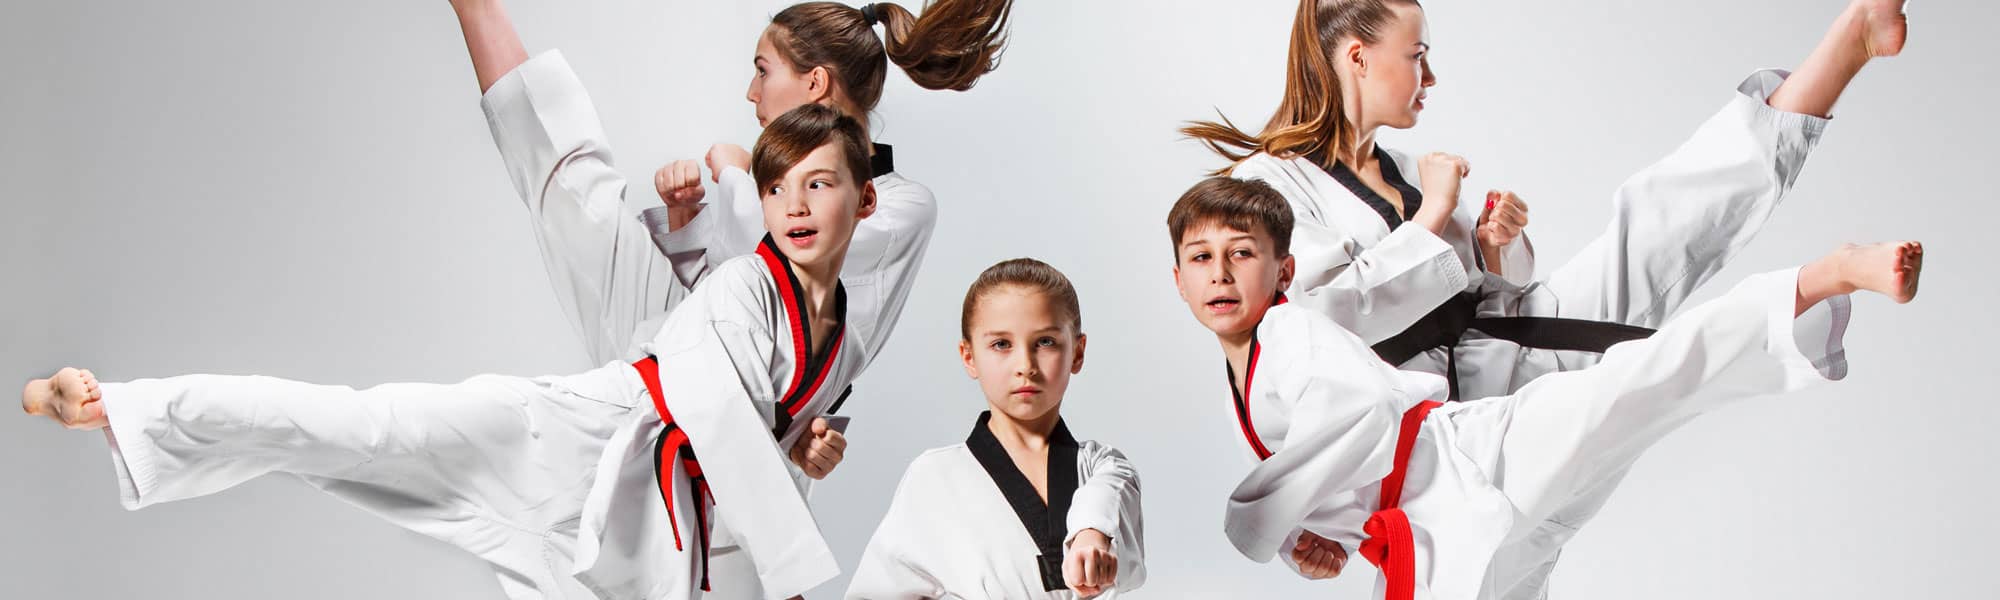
point(1412, 198)
point(883, 162)
point(1047, 523)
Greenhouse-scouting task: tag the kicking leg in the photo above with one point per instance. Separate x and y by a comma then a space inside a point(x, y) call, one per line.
point(1556, 441)
point(1867, 30)
point(1675, 224)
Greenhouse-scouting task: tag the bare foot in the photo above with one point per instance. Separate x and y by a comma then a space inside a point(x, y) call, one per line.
point(1882, 26)
point(71, 397)
point(1889, 268)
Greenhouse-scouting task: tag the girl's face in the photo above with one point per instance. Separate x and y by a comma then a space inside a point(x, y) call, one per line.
point(1022, 351)
point(778, 87)
point(1391, 75)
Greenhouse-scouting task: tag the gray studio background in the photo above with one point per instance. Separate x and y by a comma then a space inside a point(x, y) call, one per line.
point(308, 190)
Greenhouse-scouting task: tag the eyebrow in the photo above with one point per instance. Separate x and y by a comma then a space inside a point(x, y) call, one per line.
point(819, 171)
point(998, 333)
point(1230, 239)
point(1426, 45)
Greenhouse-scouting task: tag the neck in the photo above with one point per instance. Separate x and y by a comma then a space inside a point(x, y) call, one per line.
point(1363, 151)
point(1017, 435)
point(1236, 349)
point(818, 283)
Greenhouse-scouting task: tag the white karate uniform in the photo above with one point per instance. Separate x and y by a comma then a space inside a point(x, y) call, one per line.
point(1484, 473)
point(956, 526)
point(551, 476)
point(1674, 225)
point(604, 254)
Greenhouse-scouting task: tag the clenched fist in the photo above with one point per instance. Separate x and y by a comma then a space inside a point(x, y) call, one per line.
point(1504, 218)
point(1318, 557)
point(820, 449)
point(1441, 175)
point(721, 156)
point(1090, 566)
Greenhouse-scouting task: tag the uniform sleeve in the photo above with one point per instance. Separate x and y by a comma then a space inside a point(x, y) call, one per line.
point(882, 261)
point(889, 568)
point(1107, 500)
point(1345, 412)
point(1375, 291)
point(729, 225)
point(607, 276)
point(1517, 261)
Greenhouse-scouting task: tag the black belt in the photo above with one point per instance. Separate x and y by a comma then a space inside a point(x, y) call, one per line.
point(1447, 324)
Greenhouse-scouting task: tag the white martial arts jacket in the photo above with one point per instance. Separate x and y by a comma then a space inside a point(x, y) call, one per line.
point(605, 259)
point(1674, 225)
point(604, 254)
point(965, 523)
point(1325, 416)
point(735, 364)
point(1312, 385)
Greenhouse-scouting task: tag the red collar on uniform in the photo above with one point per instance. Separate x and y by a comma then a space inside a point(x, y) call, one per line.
point(810, 371)
point(1242, 396)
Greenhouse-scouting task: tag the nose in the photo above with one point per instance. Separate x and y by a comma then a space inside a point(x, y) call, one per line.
point(1024, 364)
point(1222, 274)
point(795, 204)
point(1430, 77)
point(750, 91)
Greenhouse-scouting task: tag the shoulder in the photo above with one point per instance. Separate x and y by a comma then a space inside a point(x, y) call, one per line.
point(743, 273)
point(1092, 452)
point(1292, 331)
point(936, 461)
point(893, 189)
point(934, 469)
point(740, 289)
point(1265, 167)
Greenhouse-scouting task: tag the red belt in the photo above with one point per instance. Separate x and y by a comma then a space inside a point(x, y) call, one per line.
point(673, 443)
point(1391, 546)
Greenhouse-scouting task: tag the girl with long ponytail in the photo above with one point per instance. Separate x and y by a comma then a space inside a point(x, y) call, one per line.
point(1383, 247)
point(600, 249)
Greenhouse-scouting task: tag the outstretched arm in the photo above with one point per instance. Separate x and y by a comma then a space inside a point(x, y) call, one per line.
point(490, 37)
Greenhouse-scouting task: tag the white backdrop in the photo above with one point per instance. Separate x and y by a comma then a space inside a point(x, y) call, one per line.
point(308, 190)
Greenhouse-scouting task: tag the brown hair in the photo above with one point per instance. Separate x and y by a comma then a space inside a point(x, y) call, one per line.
point(798, 133)
point(1310, 120)
point(1244, 205)
point(948, 48)
point(1029, 273)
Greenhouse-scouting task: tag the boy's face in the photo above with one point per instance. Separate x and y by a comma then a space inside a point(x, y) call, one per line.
point(1229, 277)
point(812, 210)
point(1022, 352)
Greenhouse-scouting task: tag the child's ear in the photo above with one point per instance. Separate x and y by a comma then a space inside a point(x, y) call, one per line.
point(867, 207)
point(965, 354)
point(1177, 280)
point(1076, 366)
point(1285, 271)
point(819, 85)
point(1352, 52)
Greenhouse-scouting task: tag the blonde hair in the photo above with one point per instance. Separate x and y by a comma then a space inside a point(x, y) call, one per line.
point(1310, 120)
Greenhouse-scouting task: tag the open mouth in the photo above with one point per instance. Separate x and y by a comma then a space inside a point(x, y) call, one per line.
point(1224, 304)
point(801, 235)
